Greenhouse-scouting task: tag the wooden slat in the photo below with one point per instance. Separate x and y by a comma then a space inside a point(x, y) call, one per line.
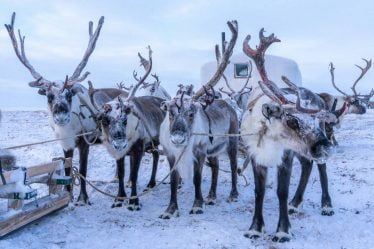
point(33, 211)
point(42, 168)
point(36, 170)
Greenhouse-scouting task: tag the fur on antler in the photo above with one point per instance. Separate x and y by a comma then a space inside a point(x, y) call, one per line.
point(258, 56)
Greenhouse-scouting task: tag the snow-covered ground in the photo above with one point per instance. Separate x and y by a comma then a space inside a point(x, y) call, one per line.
point(351, 175)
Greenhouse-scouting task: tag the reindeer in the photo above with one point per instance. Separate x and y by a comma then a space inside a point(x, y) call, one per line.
point(148, 89)
point(131, 125)
point(356, 101)
point(277, 128)
point(186, 115)
point(313, 99)
point(67, 116)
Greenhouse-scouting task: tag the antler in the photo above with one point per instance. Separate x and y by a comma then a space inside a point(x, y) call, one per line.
point(157, 80)
point(258, 56)
point(233, 25)
point(332, 69)
point(363, 72)
point(147, 64)
point(93, 36)
point(122, 86)
point(21, 54)
point(218, 59)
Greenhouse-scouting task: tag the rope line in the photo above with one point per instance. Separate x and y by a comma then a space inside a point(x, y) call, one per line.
point(78, 176)
point(49, 141)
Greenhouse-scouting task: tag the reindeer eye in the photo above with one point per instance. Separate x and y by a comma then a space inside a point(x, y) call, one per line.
point(293, 124)
point(191, 115)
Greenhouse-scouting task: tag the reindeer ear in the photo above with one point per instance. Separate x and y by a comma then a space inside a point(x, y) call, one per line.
point(164, 106)
point(76, 89)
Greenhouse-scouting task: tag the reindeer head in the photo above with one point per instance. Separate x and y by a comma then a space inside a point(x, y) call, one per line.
point(114, 121)
point(59, 96)
point(296, 126)
point(356, 101)
point(183, 111)
point(115, 116)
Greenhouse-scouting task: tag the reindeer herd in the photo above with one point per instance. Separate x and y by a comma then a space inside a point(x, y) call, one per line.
point(269, 124)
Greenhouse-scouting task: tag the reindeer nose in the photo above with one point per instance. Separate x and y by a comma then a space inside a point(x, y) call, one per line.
point(118, 135)
point(178, 138)
point(321, 149)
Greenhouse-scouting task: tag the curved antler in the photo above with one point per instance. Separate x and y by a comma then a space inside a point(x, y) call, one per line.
point(93, 36)
point(258, 56)
point(363, 72)
point(147, 64)
point(332, 69)
point(21, 54)
point(233, 25)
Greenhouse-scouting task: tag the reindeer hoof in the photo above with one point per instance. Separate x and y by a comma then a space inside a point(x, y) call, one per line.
point(232, 199)
point(133, 207)
point(210, 201)
point(293, 209)
point(82, 201)
point(117, 204)
point(281, 237)
point(167, 215)
point(253, 234)
point(196, 210)
point(327, 211)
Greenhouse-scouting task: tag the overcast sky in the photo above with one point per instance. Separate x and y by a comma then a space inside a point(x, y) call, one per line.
point(182, 35)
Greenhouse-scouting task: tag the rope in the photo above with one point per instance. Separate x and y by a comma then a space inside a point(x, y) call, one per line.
point(224, 134)
point(78, 176)
point(49, 141)
point(84, 137)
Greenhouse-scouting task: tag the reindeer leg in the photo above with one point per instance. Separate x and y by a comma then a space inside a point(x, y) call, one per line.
point(84, 149)
point(284, 174)
point(128, 184)
point(306, 169)
point(136, 154)
point(326, 199)
point(232, 153)
point(197, 207)
point(152, 181)
point(121, 183)
point(69, 154)
point(172, 209)
point(257, 227)
point(212, 196)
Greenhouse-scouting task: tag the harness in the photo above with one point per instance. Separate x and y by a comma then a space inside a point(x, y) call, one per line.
point(209, 126)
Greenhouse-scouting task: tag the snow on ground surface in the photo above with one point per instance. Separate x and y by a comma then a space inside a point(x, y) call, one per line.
point(350, 170)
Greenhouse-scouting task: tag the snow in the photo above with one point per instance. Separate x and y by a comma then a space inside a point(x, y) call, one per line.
point(351, 182)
